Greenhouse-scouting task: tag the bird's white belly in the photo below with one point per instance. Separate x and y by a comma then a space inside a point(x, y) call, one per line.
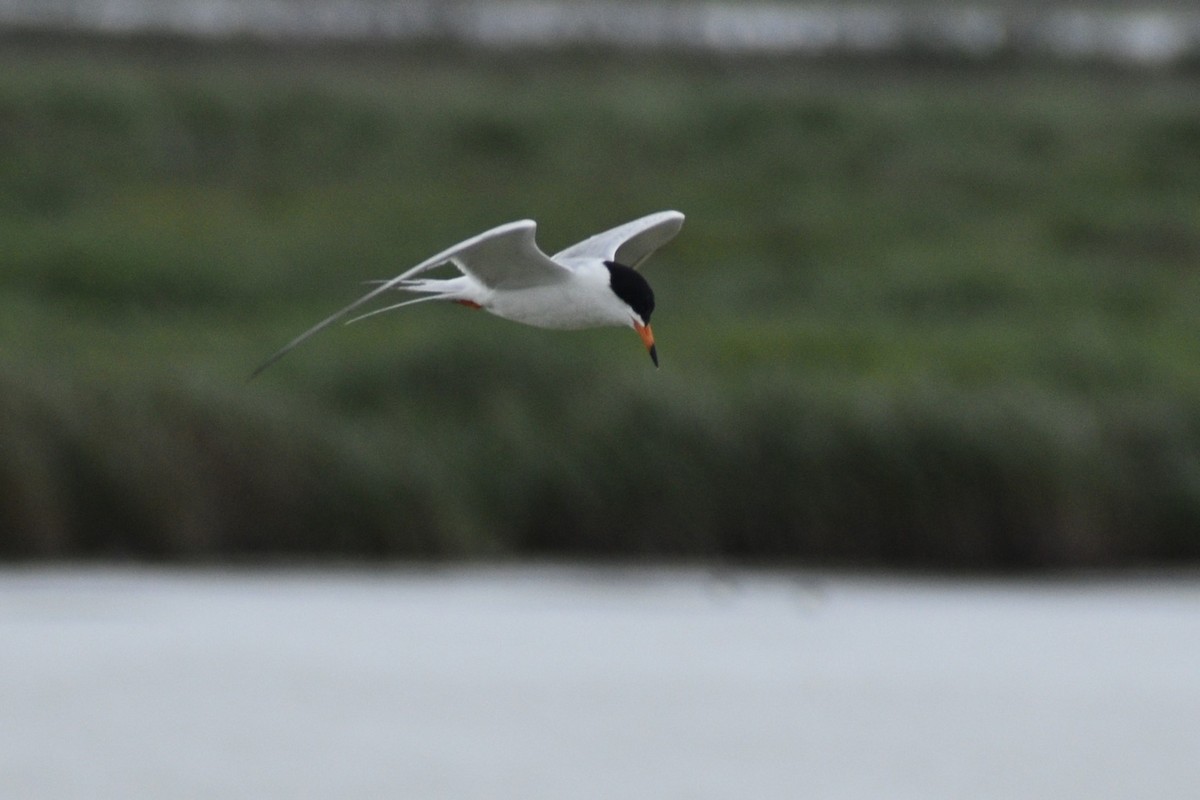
point(562, 306)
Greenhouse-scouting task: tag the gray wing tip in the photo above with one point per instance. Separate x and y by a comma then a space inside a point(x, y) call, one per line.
point(261, 368)
point(278, 354)
point(659, 219)
point(673, 216)
point(664, 216)
point(520, 224)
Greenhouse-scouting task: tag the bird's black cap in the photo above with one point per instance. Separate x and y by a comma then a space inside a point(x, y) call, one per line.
point(629, 285)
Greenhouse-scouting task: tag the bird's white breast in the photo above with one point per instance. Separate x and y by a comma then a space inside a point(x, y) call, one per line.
point(582, 300)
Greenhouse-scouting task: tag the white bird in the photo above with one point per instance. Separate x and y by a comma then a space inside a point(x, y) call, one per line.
point(591, 284)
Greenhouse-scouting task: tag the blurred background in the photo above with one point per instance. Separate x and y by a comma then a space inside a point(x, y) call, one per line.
point(911, 509)
point(935, 303)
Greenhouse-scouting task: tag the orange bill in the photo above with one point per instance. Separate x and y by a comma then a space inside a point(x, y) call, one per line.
point(647, 339)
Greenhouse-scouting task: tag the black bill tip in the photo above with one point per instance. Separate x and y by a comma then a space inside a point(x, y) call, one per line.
point(654, 355)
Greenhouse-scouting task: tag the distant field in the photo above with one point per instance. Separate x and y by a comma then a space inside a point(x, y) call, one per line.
point(916, 317)
point(1134, 35)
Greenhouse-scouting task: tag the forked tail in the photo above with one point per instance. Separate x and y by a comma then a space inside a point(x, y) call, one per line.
point(432, 289)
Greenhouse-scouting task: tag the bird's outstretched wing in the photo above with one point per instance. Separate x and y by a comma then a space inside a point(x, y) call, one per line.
point(504, 256)
point(629, 244)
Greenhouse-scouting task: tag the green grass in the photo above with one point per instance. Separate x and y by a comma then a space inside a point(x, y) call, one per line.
point(916, 318)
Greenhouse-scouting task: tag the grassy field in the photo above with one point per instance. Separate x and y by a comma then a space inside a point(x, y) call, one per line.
point(916, 317)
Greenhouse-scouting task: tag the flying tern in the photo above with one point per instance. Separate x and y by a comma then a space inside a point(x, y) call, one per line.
point(592, 284)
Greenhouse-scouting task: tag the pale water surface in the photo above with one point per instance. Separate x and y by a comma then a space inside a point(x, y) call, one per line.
point(571, 683)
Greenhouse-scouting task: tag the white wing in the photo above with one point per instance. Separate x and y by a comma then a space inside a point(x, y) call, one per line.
point(505, 256)
point(629, 244)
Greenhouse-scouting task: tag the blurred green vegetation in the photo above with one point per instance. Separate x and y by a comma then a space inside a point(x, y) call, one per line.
point(917, 317)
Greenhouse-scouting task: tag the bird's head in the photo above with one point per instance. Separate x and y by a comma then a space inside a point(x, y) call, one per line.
point(633, 290)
